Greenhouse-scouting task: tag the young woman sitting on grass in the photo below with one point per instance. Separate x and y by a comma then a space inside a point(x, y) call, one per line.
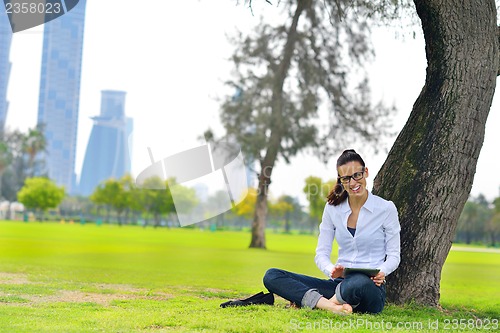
point(367, 230)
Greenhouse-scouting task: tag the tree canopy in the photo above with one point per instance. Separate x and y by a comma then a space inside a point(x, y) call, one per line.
point(19, 159)
point(40, 194)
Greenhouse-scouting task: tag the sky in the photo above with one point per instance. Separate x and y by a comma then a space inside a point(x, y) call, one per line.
point(172, 60)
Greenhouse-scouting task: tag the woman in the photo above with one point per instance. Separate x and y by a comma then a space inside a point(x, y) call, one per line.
point(367, 230)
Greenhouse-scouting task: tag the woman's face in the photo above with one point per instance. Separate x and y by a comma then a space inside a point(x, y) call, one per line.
point(354, 169)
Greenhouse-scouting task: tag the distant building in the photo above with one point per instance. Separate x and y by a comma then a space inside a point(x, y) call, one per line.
point(107, 154)
point(5, 65)
point(60, 93)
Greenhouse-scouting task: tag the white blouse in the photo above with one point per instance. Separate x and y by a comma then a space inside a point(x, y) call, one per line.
point(376, 243)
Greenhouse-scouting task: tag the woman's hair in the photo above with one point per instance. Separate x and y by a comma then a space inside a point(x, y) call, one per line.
point(338, 195)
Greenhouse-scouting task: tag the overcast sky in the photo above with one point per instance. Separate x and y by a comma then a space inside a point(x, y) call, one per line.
point(171, 59)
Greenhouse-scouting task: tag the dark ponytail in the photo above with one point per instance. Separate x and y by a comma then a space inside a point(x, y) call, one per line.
point(338, 195)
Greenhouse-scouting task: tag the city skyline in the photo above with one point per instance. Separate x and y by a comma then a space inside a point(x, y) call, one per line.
point(108, 152)
point(59, 95)
point(5, 66)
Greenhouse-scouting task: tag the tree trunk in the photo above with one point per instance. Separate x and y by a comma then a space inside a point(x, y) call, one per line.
point(267, 164)
point(259, 220)
point(430, 169)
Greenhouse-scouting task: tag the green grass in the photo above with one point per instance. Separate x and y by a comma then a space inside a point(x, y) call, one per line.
point(85, 278)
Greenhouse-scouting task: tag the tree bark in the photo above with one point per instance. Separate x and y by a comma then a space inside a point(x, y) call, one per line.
point(498, 36)
point(430, 168)
point(267, 164)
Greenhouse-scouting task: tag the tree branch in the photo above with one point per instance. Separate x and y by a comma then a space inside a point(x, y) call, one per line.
point(251, 8)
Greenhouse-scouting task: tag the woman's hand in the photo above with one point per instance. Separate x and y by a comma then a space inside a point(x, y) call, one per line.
point(379, 278)
point(337, 271)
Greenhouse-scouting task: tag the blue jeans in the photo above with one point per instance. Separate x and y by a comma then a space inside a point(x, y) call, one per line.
point(358, 290)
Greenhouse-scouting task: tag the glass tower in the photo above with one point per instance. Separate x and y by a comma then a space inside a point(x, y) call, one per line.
point(107, 154)
point(60, 93)
point(5, 65)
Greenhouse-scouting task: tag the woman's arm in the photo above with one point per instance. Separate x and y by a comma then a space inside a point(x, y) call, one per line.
point(324, 247)
point(392, 241)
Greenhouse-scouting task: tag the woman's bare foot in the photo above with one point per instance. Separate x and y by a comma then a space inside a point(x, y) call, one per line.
point(342, 309)
point(334, 300)
point(328, 304)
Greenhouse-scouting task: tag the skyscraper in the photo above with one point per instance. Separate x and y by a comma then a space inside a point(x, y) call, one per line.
point(60, 93)
point(5, 65)
point(107, 154)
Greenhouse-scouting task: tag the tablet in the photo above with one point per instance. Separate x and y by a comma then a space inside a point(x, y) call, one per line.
point(367, 271)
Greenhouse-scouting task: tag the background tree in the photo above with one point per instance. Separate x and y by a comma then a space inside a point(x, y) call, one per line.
point(316, 192)
point(216, 203)
point(284, 74)
point(18, 152)
point(430, 169)
point(33, 143)
point(134, 201)
point(466, 222)
point(186, 198)
point(156, 201)
point(293, 214)
point(281, 210)
point(76, 206)
point(5, 161)
point(40, 194)
point(474, 221)
point(493, 227)
point(246, 208)
point(16, 172)
point(123, 200)
point(479, 222)
point(313, 191)
point(105, 194)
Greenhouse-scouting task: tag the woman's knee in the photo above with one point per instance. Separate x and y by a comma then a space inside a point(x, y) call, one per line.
point(356, 285)
point(359, 280)
point(271, 275)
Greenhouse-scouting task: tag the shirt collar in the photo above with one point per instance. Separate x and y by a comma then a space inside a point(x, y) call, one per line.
point(369, 204)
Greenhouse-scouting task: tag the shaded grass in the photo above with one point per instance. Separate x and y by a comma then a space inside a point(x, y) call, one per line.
point(159, 280)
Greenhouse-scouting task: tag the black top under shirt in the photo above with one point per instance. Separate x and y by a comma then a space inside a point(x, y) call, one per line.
point(352, 231)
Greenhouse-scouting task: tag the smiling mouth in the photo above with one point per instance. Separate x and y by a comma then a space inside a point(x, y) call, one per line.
point(356, 189)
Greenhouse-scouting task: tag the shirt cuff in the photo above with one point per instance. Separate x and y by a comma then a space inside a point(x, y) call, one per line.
point(328, 270)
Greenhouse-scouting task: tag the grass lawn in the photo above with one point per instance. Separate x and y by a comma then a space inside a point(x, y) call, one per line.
point(85, 278)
